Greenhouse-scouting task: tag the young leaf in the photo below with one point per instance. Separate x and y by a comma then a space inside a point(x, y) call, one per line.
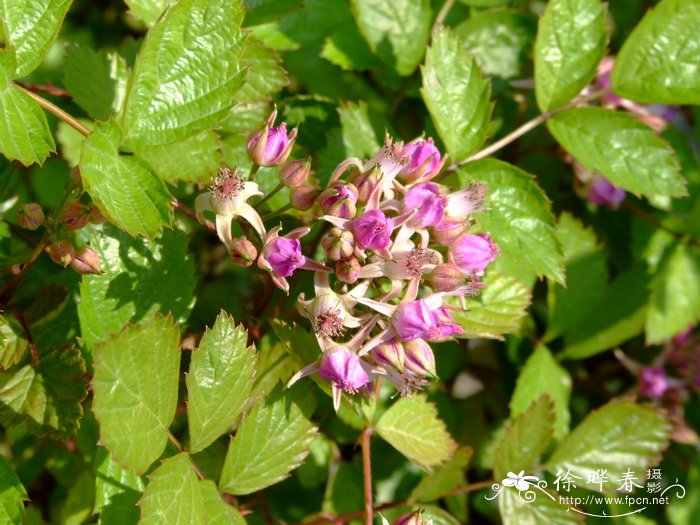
point(264, 75)
point(620, 147)
point(618, 436)
point(543, 375)
point(217, 510)
point(222, 372)
point(139, 277)
point(186, 73)
point(359, 137)
point(526, 439)
point(173, 495)
point(497, 310)
point(12, 496)
point(516, 510)
point(411, 426)
point(456, 94)
point(445, 478)
point(571, 40)
point(135, 389)
point(125, 188)
point(117, 491)
point(660, 60)
point(148, 11)
point(518, 216)
point(674, 303)
point(396, 30)
point(272, 440)
point(29, 29)
point(24, 132)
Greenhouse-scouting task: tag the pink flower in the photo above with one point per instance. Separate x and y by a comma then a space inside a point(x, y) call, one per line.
point(417, 320)
point(602, 193)
point(653, 382)
point(424, 161)
point(428, 203)
point(473, 253)
point(343, 369)
point(373, 230)
point(284, 256)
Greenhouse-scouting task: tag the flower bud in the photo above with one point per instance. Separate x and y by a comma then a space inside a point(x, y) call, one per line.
point(242, 252)
point(427, 202)
point(339, 200)
point(447, 277)
point(449, 230)
point(348, 270)
point(30, 216)
point(95, 216)
point(61, 252)
point(86, 261)
point(423, 161)
point(303, 197)
point(367, 182)
point(295, 173)
point(271, 146)
point(75, 215)
point(653, 382)
point(390, 354)
point(602, 193)
point(414, 518)
point(419, 358)
point(338, 244)
point(473, 253)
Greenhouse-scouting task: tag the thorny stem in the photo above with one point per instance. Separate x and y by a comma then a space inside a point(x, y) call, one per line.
point(17, 279)
point(51, 108)
point(367, 474)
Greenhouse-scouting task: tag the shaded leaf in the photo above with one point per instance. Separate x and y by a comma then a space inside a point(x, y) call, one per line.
point(13, 343)
point(12, 496)
point(446, 477)
point(347, 49)
point(515, 510)
point(261, 11)
point(359, 136)
point(117, 491)
point(264, 75)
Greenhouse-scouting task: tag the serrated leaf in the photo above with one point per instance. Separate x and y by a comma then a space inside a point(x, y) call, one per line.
point(186, 73)
point(571, 40)
point(411, 426)
point(264, 75)
point(396, 30)
point(13, 343)
point(140, 277)
point(194, 159)
point(46, 397)
point(543, 375)
point(674, 303)
point(347, 49)
point(446, 477)
point(586, 277)
point(71, 141)
point(618, 316)
point(217, 510)
point(497, 310)
point(125, 188)
point(660, 61)
point(117, 491)
point(24, 132)
point(526, 438)
point(30, 28)
point(517, 510)
point(173, 495)
point(620, 147)
point(518, 216)
point(620, 435)
point(272, 440)
point(359, 137)
point(148, 11)
point(135, 391)
point(12, 496)
point(222, 373)
point(96, 80)
point(456, 95)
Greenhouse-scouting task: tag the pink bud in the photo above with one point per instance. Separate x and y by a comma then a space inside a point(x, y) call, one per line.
point(338, 244)
point(653, 382)
point(449, 230)
point(447, 277)
point(95, 216)
point(414, 518)
point(373, 230)
point(295, 173)
point(271, 146)
point(473, 253)
point(339, 200)
point(31, 216)
point(390, 354)
point(86, 261)
point(423, 161)
point(303, 197)
point(242, 252)
point(348, 270)
point(602, 193)
point(61, 252)
point(284, 255)
point(344, 369)
point(419, 358)
point(76, 215)
point(427, 201)
point(367, 182)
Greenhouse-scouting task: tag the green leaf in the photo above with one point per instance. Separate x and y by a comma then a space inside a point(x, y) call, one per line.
point(217, 510)
point(13, 343)
point(620, 147)
point(516, 510)
point(543, 375)
point(173, 495)
point(316, 467)
point(674, 303)
point(518, 216)
point(586, 277)
point(347, 49)
point(79, 501)
point(445, 478)
point(264, 75)
point(140, 277)
point(12, 496)
point(135, 391)
point(411, 426)
point(71, 141)
point(456, 94)
point(526, 438)
point(618, 436)
point(30, 28)
point(571, 40)
point(46, 397)
point(359, 136)
point(148, 11)
point(186, 73)
point(618, 316)
point(24, 133)
point(117, 491)
point(272, 440)
point(194, 159)
point(660, 61)
point(222, 373)
point(125, 188)
point(262, 11)
point(497, 310)
point(396, 30)
point(96, 80)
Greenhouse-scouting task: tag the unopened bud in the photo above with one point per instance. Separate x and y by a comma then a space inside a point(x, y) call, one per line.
point(348, 270)
point(414, 518)
point(303, 197)
point(367, 182)
point(339, 200)
point(390, 354)
point(86, 261)
point(295, 173)
point(31, 216)
point(338, 244)
point(419, 358)
point(75, 215)
point(271, 146)
point(61, 252)
point(243, 252)
point(95, 216)
point(447, 277)
point(449, 230)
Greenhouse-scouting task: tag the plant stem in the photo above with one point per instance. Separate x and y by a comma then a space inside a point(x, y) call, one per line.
point(649, 218)
point(444, 11)
point(51, 108)
point(276, 212)
point(253, 171)
point(270, 194)
point(182, 208)
point(48, 88)
point(367, 474)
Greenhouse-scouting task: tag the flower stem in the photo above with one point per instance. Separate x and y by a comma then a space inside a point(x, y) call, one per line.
point(444, 11)
point(276, 212)
point(269, 195)
point(367, 474)
point(51, 108)
point(253, 171)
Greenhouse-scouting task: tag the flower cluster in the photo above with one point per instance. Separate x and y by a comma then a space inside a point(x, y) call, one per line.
point(398, 256)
